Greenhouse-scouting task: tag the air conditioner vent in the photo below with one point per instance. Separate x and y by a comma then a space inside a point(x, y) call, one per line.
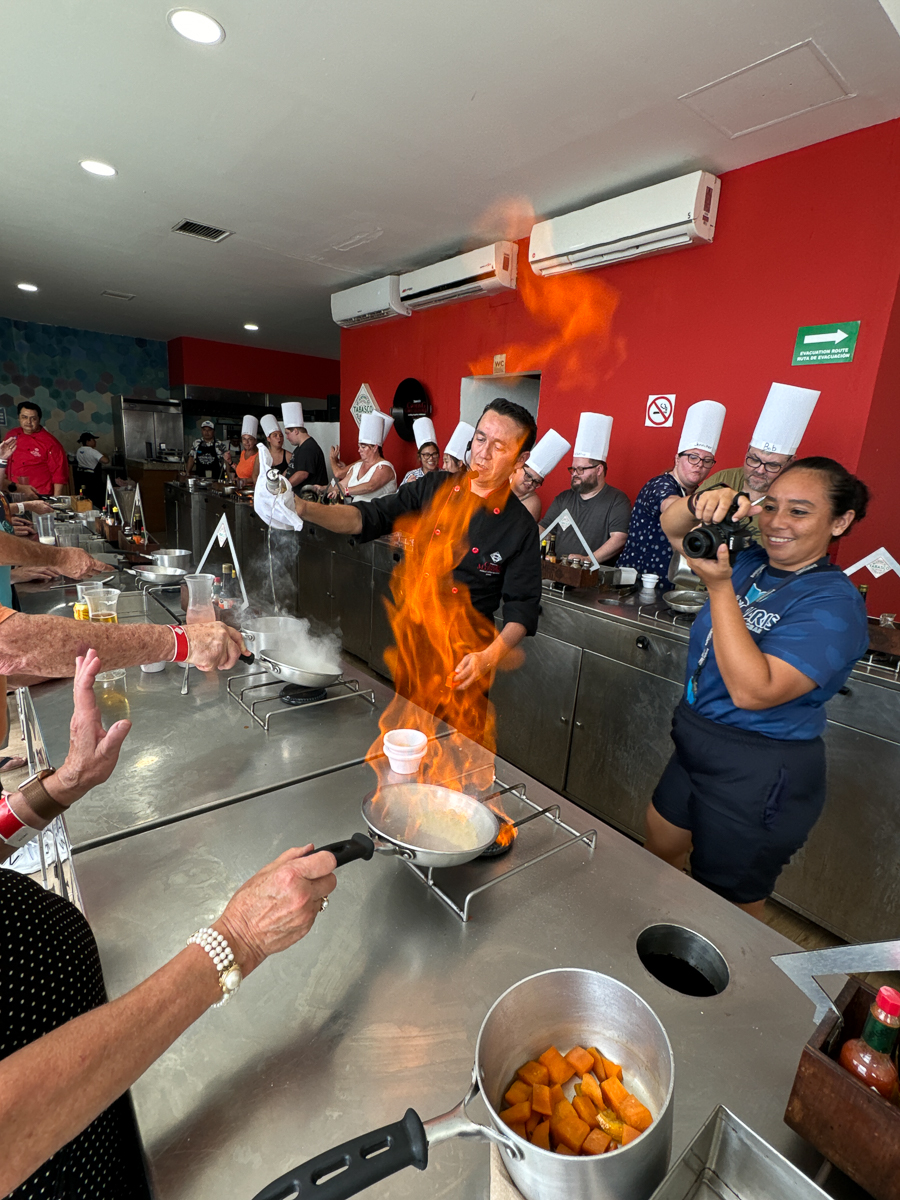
point(117, 295)
point(209, 233)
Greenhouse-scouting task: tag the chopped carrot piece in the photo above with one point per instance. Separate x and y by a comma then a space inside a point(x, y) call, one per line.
point(571, 1132)
point(532, 1123)
point(519, 1129)
point(591, 1088)
point(560, 1070)
point(611, 1068)
point(596, 1142)
point(518, 1092)
point(540, 1100)
point(541, 1136)
point(564, 1149)
point(580, 1059)
point(630, 1134)
point(586, 1111)
point(517, 1113)
point(627, 1107)
point(556, 1094)
point(610, 1123)
point(598, 1063)
point(533, 1072)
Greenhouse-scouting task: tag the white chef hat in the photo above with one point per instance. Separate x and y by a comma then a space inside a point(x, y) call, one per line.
point(207, 424)
point(388, 423)
point(592, 438)
point(459, 440)
point(784, 417)
point(371, 429)
point(423, 432)
point(547, 453)
point(250, 425)
point(270, 424)
point(292, 411)
point(702, 426)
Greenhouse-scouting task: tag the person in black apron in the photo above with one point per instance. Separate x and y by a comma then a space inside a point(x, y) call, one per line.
point(777, 639)
point(208, 456)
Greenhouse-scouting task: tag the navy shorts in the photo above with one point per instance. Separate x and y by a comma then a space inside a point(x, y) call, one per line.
point(748, 800)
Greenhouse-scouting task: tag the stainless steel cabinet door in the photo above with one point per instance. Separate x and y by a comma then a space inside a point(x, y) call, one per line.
point(534, 707)
point(351, 604)
point(313, 578)
point(381, 635)
point(620, 740)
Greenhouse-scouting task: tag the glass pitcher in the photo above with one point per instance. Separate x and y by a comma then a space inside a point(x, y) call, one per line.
point(199, 606)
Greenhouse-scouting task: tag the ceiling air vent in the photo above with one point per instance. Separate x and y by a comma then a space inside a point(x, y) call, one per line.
point(209, 233)
point(117, 295)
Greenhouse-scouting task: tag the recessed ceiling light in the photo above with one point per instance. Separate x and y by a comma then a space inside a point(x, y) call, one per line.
point(196, 26)
point(27, 287)
point(93, 166)
point(251, 327)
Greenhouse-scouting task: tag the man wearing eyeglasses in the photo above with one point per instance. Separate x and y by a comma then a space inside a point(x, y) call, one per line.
point(648, 549)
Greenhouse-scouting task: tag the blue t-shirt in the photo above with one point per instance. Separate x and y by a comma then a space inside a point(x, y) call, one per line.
point(816, 622)
point(647, 547)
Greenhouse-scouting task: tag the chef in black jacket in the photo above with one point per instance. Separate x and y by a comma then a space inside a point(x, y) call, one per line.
point(502, 562)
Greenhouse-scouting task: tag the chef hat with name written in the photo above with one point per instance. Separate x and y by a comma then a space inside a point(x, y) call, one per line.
point(250, 425)
point(702, 426)
point(270, 424)
point(423, 432)
point(371, 429)
point(547, 453)
point(784, 417)
point(459, 441)
point(592, 438)
point(292, 411)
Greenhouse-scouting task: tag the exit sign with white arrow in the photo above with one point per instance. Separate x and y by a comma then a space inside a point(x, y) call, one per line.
point(826, 343)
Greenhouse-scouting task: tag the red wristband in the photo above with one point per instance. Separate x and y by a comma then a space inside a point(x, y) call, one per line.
point(13, 831)
point(182, 646)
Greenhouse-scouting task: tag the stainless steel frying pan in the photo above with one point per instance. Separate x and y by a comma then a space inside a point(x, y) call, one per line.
point(291, 673)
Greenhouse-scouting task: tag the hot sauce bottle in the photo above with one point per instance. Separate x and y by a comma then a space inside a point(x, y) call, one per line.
point(869, 1057)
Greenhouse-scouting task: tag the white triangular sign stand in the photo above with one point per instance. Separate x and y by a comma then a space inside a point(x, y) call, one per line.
point(565, 520)
point(222, 534)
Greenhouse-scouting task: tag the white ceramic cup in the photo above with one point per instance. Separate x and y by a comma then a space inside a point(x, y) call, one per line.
point(405, 749)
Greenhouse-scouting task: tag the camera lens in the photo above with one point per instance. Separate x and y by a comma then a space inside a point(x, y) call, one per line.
point(700, 543)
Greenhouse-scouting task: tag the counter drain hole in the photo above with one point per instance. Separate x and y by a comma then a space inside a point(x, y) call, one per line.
point(683, 960)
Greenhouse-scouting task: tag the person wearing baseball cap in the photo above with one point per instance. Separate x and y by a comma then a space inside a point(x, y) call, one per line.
point(209, 456)
point(307, 465)
point(648, 549)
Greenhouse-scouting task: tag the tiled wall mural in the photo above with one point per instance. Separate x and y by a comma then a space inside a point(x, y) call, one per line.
point(71, 374)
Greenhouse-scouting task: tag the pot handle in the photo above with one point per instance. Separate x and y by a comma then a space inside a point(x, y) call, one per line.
point(458, 1124)
point(357, 846)
point(359, 1163)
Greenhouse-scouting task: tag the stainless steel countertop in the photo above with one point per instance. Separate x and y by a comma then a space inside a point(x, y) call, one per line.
point(379, 1007)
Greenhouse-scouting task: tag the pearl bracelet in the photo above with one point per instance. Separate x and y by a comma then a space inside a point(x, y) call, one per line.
point(220, 952)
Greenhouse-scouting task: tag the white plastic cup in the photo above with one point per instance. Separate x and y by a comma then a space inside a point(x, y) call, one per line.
point(405, 749)
point(649, 580)
point(150, 668)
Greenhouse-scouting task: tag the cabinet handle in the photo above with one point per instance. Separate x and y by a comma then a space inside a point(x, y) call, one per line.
point(565, 720)
point(396, 556)
point(642, 643)
point(579, 725)
point(845, 691)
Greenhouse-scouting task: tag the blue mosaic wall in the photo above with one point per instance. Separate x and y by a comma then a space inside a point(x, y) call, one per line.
point(71, 374)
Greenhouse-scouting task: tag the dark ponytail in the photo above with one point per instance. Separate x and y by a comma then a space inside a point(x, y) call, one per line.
point(845, 491)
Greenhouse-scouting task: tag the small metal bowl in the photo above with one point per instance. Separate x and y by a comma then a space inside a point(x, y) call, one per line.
point(684, 601)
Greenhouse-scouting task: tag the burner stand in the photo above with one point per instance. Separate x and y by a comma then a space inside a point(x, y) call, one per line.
point(241, 688)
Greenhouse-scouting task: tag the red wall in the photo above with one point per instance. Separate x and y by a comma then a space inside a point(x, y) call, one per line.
point(806, 238)
point(251, 368)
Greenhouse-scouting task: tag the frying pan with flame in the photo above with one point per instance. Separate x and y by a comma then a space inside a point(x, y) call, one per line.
point(423, 823)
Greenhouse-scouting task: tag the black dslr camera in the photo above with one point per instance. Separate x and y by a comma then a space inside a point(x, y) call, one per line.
point(704, 542)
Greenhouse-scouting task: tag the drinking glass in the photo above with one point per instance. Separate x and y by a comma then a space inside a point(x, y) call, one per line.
point(199, 605)
point(45, 524)
point(67, 535)
point(80, 610)
point(102, 605)
point(112, 695)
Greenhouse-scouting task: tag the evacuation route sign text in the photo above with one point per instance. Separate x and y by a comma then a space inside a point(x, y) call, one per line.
point(826, 343)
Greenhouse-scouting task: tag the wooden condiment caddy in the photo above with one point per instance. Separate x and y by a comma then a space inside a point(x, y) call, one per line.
point(851, 1125)
point(580, 577)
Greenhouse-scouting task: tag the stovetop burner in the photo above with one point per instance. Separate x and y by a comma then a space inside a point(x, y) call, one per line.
point(294, 693)
point(498, 848)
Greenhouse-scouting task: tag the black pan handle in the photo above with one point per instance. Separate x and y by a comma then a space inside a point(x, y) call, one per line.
point(357, 846)
point(359, 1163)
point(247, 658)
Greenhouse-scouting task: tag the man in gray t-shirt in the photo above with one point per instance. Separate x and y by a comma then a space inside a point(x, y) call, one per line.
point(601, 512)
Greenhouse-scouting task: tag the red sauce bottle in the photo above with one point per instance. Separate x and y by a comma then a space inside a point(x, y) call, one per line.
point(869, 1057)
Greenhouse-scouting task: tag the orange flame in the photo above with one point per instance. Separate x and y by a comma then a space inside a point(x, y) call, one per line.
point(435, 625)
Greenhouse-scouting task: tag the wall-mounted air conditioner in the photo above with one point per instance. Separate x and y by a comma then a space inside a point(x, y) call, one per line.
point(377, 300)
point(477, 273)
point(666, 216)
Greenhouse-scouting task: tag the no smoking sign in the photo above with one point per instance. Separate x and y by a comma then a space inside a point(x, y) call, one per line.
point(660, 411)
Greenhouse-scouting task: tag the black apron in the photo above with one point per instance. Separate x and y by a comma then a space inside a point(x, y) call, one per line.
point(207, 461)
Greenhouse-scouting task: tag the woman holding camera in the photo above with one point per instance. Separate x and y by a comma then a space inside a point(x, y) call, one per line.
point(779, 636)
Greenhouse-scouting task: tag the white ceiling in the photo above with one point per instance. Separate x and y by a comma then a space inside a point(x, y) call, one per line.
point(341, 140)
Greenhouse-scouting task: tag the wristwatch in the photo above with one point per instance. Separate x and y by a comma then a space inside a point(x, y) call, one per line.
point(38, 798)
point(215, 945)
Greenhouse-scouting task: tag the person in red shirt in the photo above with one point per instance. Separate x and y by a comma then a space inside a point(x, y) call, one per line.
point(38, 457)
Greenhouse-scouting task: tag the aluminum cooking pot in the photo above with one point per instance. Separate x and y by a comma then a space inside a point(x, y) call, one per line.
point(565, 1007)
point(172, 558)
point(263, 634)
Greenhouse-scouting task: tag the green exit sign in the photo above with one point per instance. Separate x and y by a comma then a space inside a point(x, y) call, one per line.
point(825, 343)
